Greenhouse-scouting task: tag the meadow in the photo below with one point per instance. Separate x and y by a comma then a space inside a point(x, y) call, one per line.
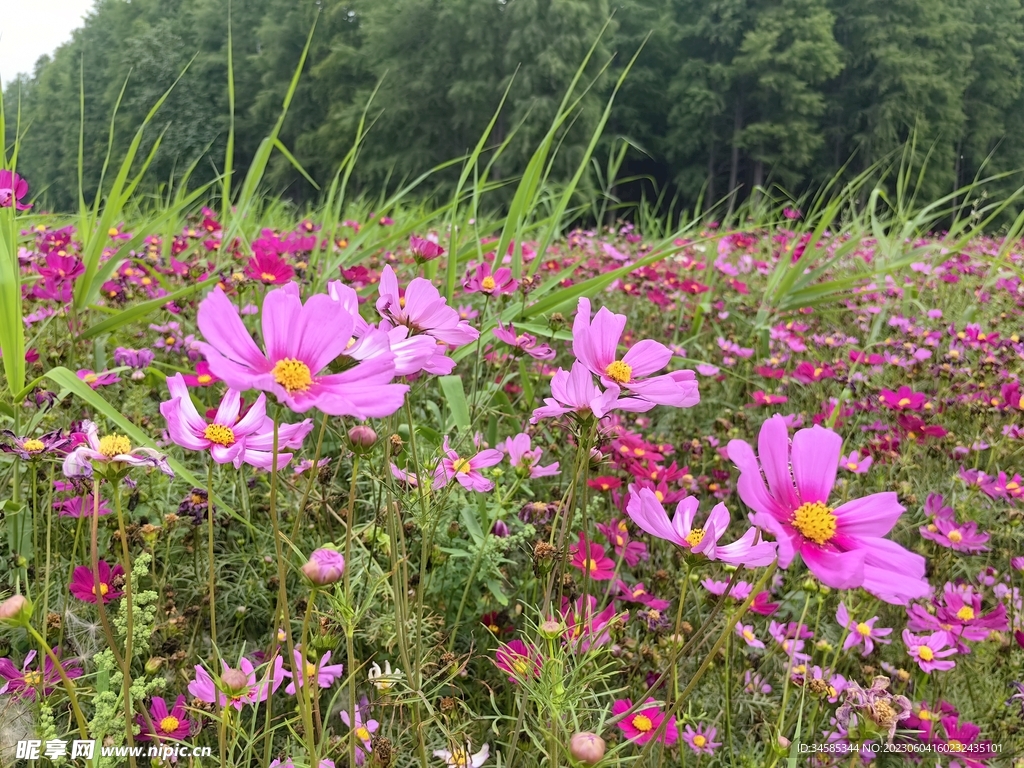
point(401, 481)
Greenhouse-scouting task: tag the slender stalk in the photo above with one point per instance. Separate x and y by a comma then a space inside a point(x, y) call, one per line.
point(126, 669)
point(65, 680)
point(350, 607)
point(212, 569)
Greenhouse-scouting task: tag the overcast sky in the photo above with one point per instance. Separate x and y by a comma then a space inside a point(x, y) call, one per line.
point(30, 28)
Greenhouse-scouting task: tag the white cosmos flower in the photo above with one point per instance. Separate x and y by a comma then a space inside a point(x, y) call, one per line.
point(463, 757)
point(386, 679)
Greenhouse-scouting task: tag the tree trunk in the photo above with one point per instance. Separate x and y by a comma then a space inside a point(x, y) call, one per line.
point(734, 166)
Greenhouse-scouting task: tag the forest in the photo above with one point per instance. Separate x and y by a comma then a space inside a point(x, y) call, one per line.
point(722, 97)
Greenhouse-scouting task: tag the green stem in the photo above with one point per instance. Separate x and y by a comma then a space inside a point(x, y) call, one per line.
point(68, 685)
point(212, 569)
point(350, 607)
point(126, 669)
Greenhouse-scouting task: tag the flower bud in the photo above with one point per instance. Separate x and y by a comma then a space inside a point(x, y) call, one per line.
point(586, 748)
point(234, 681)
point(499, 529)
point(550, 629)
point(16, 611)
point(153, 664)
point(325, 567)
point(362, 438)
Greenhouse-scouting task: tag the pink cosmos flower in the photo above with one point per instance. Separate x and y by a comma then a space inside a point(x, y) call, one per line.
point(702, 741)
point(861, 632)
point(842, 546)
point(523, 342)
point(12, 189)
point(646, 511)
point(225, 437)
point(526, 459)
point(740, 590)
point(903, 399)
point(960, 538)
point(422, 309)
point(24, 682)
point(97, 380)
point(576, 392)
point(113, 450)
point(854, 463)
point(424, 250)
point(203, 377)
point(167, 724)
point(586, 629)
point(269, 268)
point(617, 534)
point(929, 651)
point(482, 280)
point(302, 669)
point(591, 558)
point(519, 660)
point(301, 341)
point(467, 471)
point(595, 343)
point(639, 594)
point(205, 689)
point(643, 724)
point(746, 631)
point(363, 729)
point(764, 398)
point(83, 583)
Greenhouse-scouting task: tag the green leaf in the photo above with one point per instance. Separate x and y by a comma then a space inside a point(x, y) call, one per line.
point(495, 586)
point(472, 525)
point(455, 396)
point(69, 381)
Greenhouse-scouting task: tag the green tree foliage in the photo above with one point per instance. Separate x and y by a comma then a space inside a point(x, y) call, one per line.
point(726, 95)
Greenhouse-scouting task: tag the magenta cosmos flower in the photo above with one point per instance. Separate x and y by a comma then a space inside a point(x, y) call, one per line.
point(590, 558)
point(482, 280)
point(701, 740)
point(269, 269)
point(83, 582)
point(168, 724)
point(110, 450)
point(861, 632)
point(24, 682)
point(518, 660)
point(525, 458)
point(643, 724)
point(301, 341)
point(842, 546)
point(424, 250)
point(644, 508)
point(903, 399)
point(595, 343)
point(224, 437)
point(523, 342)
point(12, 189)
point(929, 651)
point(467, 471)
point(253, 692)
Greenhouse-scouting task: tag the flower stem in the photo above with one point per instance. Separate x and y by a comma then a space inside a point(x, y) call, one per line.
point(126, 668)
point(65, 680)
point(351, 618)
point(212, 569)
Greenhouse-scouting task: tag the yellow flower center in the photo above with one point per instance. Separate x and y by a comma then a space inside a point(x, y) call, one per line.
point(219, 434)
point(204, 378)
point(488, 283)
point(955, 746)
point(619, 372)
point(169, 724)
point(462, 466)
point(925, 653)
point(362, 733)
point(114, 445)
point(903, 402)
point(924, 714)
point(33, 445)
point(104, 589)
point(965, 614)
point(33, 679)
point(815, 521)
point(112, 232)
point(851, 465)
point(521, 666)
point(592, 565)
point(642, 723)
point(294, 375)
point(748, 634)
point(267, 277)
point(955, 536)
point(863, 630)
point(695, 537)
point(310, 670)
point(1013, 485)
point(494, 628)
point(699, 741)
point(90, 378)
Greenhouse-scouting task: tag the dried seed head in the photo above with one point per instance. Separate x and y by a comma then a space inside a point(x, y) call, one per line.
point(381, 746)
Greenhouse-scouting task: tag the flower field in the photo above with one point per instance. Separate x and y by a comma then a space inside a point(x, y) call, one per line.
point(403, 488)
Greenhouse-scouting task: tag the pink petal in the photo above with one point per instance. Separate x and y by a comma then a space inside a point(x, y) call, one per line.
point(873, 515)
point(815, 461)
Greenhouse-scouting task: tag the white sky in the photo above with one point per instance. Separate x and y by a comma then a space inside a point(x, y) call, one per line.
point(31, 28)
